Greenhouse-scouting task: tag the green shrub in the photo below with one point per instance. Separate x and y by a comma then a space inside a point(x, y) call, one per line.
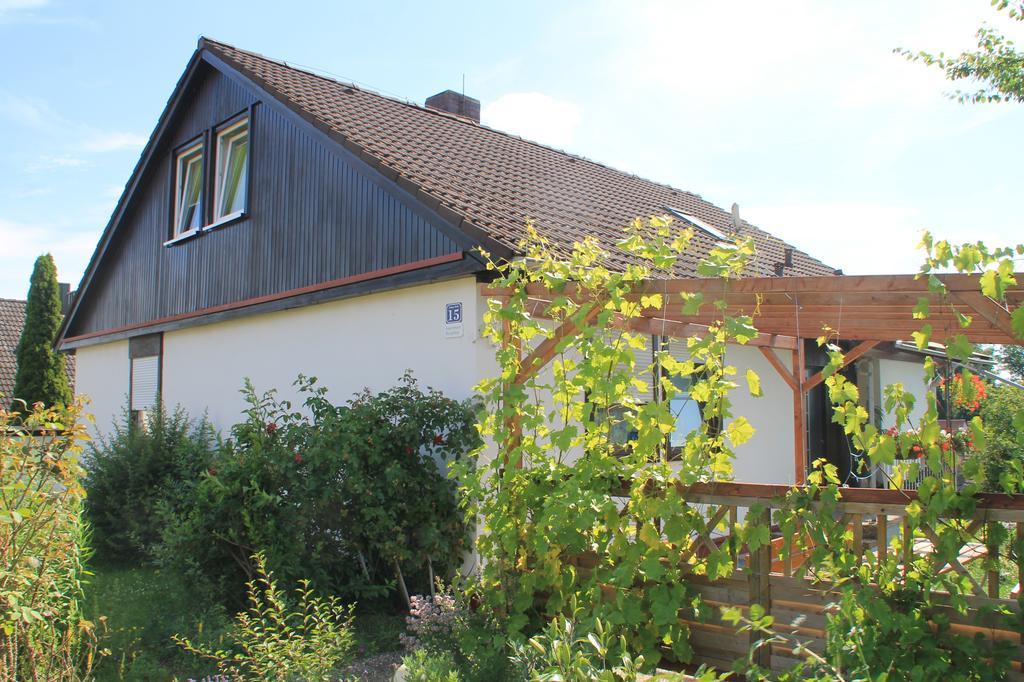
point(423, 666)
point(43, 634)
point(273, 641)
point(1003, 452)
point(393, 448)
point(343, 495)
point(140, 476)
point(261, 493)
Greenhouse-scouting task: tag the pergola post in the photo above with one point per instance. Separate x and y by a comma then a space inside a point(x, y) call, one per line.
point(799, 432)
point(512, 425)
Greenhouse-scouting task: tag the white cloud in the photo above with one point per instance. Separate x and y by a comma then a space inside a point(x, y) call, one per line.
point(15, 5)
point(48, 163)
point(717, 54)
point(16, 11)
point(534, 116)
point(113, 191)
point(24, 242)
point(28, 111)
point(32, 192)
point(872, 238)
point(860, 238)
point(114, 141)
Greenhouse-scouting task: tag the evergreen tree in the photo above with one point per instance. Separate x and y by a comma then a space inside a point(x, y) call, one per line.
point(41, 376)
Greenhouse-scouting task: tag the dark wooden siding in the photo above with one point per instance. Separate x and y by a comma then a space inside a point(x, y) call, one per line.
point(313, 216)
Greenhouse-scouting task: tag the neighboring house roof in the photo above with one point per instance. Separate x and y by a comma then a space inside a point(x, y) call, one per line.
point(12, 319)
point(493, 180)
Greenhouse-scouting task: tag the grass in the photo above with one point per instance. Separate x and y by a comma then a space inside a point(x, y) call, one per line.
point(144, 608)
point(1007, 575)
point(377, 633)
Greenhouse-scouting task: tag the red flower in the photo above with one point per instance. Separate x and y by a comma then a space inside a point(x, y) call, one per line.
point(271, 427)
point(966, 397)
point(298, 458)
point(409, 450)
point(439, 440)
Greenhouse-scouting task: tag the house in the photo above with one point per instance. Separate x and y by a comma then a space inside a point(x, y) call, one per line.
point(280, 222)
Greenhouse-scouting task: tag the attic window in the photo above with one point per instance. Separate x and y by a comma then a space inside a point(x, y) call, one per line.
point(188, 190)
point(694, 221)
point(232, 169)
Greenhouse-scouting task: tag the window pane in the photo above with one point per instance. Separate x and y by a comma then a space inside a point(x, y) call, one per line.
point(234, 181)
point(687, 416)
point(232, 169)
point(620, 432)
point(190, 192)
point(686, 411)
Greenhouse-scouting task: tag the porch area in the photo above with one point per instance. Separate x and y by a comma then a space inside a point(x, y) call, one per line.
point(880, 527)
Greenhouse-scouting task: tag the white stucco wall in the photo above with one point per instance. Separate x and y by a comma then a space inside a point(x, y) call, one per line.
point(102, 374)
point(911, 375)
point(768, 456)
point(368, 341)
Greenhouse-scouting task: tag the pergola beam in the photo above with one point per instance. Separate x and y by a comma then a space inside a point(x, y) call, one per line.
point(841, 284)
point(680, 329)
point(878, 307)
point(995, 314)
point(848, 357)
point(788, 310)
point(783, 372)
point(542, 354)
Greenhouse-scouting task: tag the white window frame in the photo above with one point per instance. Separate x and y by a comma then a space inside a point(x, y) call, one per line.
point(182, 162)
point(694, 221)
point(224, 141)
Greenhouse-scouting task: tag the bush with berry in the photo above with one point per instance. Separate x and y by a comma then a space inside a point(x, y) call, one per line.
point(354, 497)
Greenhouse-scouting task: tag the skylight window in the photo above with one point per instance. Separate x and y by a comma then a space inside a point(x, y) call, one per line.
point(694, 221)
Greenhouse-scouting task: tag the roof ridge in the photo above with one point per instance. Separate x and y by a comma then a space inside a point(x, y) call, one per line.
point(459, 119)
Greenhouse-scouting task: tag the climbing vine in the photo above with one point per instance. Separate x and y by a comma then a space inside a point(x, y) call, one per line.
point(582, 498)
point(568, 509)
point(893, 615)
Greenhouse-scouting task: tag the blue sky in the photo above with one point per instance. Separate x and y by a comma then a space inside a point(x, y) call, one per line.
point(797, 110)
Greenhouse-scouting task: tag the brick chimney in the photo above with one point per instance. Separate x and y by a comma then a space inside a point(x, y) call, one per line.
point(455, 103)
point(66, 295)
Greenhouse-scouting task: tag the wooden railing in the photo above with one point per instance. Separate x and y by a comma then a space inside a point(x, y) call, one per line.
point(800, 605)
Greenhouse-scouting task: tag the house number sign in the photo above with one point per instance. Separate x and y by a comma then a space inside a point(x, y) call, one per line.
point(453, 327)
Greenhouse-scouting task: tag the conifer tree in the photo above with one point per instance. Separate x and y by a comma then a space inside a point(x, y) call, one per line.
point(41, 376)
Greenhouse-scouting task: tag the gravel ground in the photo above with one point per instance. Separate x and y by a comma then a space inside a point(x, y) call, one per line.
point(379, 668)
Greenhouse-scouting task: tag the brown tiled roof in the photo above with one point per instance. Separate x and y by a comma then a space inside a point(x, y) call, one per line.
point(491, 179)
point(12, 320)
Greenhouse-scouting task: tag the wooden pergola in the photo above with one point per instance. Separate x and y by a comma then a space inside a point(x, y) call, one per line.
point(867, 310)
